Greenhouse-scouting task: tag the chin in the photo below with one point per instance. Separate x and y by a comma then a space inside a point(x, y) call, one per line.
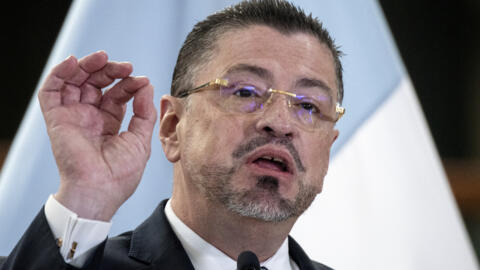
point(265, 203)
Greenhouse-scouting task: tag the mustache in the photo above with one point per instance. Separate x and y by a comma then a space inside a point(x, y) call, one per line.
point(254, 143)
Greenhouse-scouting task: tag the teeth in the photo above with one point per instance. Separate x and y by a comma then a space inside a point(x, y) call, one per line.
point(273, 159)
point(278, 160)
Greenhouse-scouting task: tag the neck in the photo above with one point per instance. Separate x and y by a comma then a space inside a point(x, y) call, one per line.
point(227, 231)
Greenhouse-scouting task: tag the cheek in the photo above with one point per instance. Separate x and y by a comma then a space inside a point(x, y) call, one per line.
point(317, 161)
point(226, 133)
point(210, 135)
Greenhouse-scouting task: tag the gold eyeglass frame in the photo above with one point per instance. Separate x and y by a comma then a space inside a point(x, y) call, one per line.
point(224, 82)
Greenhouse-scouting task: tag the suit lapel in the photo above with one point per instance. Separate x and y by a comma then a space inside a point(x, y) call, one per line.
point(155, 243)
point(298, 255)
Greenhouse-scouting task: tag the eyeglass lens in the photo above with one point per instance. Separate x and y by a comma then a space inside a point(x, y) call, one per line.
point(310, 106)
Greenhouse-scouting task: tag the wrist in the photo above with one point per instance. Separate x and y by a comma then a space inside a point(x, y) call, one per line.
point(87, 203)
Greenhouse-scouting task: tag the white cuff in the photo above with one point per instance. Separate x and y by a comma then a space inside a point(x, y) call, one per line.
point(77, 237)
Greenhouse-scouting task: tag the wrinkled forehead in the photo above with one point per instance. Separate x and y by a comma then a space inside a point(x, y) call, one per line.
point(281, 57)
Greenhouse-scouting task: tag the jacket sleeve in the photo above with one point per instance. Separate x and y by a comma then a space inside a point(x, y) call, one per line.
point(37, 249)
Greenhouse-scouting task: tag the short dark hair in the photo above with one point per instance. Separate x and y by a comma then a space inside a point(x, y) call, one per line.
point(279, 14)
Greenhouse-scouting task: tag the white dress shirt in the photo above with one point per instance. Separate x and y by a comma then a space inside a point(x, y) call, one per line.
point(205, 256)
point(69, 229)
point(83, 235)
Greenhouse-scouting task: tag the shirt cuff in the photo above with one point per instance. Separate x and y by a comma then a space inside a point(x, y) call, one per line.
point(76, 237)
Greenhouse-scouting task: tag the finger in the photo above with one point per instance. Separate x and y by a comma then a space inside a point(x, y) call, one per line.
point(49, 94)
point(110, 72)
point(117, 111)
point(86, 66)
point(90, 94)
point(144, 116)
point(91, 90)
point(93, 62)
point(114, 100)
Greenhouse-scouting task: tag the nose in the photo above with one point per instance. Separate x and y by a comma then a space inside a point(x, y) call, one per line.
point(276, 119)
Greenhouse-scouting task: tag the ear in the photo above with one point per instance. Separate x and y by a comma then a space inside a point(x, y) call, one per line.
point(170, 113)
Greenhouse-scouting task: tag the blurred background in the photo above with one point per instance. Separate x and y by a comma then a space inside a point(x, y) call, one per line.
point(439, 42)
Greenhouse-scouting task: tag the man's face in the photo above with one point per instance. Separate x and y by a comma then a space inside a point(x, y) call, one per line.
point(265, 165)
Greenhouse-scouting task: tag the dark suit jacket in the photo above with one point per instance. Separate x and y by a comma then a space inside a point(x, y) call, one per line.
point(152, 245)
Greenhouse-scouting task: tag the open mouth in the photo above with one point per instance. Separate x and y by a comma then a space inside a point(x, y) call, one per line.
point(272, 163)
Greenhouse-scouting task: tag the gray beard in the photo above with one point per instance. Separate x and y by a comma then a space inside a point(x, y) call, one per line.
point(262, 202)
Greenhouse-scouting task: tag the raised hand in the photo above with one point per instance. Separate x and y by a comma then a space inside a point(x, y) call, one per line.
point(99, 167)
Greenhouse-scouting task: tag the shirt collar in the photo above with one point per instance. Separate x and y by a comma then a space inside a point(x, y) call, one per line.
point(205, 256)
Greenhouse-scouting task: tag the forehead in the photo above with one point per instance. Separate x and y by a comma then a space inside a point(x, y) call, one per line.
point(288, 57)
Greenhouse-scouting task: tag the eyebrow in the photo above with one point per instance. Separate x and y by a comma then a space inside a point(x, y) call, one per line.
point(268, 76)
point(309, 82)
point(256, 70)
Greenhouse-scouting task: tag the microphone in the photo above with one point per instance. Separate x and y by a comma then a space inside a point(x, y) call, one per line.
point(247, 260)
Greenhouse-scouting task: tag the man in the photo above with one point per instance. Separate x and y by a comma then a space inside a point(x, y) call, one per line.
point(248, 127)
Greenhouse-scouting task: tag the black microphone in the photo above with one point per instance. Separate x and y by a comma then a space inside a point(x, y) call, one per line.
point(247, 260)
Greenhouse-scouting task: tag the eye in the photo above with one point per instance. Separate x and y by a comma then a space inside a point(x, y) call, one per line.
point(246, 92)
point(310, 107)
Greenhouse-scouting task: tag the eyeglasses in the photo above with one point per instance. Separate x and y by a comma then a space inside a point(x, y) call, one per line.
point(309, 107)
